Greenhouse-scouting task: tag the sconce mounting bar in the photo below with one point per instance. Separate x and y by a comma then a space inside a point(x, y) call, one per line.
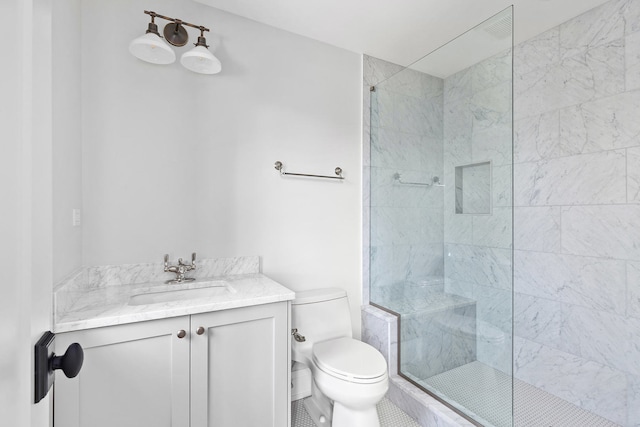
point(177, 21)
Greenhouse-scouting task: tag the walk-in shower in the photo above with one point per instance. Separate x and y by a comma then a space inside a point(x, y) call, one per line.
point(441, 218)
point(510, 264)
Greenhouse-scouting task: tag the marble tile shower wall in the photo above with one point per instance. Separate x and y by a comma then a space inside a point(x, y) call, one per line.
point(406, 138)
point(577, 211)
point(477, 129)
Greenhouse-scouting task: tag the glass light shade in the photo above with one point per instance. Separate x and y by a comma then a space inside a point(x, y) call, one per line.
point(151, 48)
point(200, 60)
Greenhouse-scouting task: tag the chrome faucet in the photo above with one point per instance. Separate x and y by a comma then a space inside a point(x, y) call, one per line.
point(180, 269)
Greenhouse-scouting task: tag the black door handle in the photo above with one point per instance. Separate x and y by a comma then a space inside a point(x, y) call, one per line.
point(46, 362)
point(70, 362)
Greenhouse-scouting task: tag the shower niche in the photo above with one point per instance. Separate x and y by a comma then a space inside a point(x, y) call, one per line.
point(473, 188)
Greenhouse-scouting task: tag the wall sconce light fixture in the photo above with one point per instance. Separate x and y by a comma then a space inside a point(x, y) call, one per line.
point(152, 48)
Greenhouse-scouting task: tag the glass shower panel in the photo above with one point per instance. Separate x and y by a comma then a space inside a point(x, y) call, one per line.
point(441, 219)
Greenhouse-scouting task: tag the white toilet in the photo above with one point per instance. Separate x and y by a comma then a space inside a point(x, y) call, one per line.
point(349, 376)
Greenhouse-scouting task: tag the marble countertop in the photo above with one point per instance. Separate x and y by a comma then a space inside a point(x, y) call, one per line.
point(106, 306)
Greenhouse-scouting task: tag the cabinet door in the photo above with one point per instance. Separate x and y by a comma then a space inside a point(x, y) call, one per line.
point(240, 367)
point(134, 375)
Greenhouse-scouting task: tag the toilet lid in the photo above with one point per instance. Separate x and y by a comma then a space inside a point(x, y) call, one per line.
point(350, 360)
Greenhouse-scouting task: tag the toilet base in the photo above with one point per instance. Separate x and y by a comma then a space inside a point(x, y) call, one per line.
point(326, 413)
point(319, 417)
point(348, 417)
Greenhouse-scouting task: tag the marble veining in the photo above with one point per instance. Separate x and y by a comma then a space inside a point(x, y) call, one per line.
point(99, 296)
point(458, 228)
point(632, 17)
point(587, 76)
point(458, 86)
point(577, 189)
point(491, 108)
point(609, 231)
point(492, 72)
point(537, 228)
point(540, 51)
point(493, 230)
point(576, 302)
point(494, 306)
point(586, 281)
point(537, 137)
point(424, 408)
point(596, 27)
point(477, 128)
point(633, 289)
point(127, 274)
point(633, 400)
point(537, 319)
point(588, 384)
point(96, 307)
point(479, 265)
point(633, 175)
point(602, 337)
point(501, 185)
point(376, 70)
point(606, 124)
point(380, 330)
point(596, 178)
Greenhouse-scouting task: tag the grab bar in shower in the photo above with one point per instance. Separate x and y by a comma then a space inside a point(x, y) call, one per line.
point(280, 167)
point(435, 181)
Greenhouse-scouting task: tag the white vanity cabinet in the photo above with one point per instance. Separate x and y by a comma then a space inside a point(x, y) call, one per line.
point(230, 369)
point(240, 367)
point(133, 375)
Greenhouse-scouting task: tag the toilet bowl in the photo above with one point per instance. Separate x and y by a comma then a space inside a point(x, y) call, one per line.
point(349, 377)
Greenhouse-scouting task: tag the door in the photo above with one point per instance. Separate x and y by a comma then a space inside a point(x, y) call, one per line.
point(134, 375)
point(240, 367)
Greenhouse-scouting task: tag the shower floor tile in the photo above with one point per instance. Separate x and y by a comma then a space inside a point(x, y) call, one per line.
point(487, 392)
point(390, 415)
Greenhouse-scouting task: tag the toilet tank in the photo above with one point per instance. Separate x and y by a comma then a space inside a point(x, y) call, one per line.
point(320, 315)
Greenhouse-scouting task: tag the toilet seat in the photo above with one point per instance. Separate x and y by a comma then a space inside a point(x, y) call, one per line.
point(350, 360)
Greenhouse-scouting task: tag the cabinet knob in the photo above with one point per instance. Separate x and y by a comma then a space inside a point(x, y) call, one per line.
point(182, 333)
point(200, 330)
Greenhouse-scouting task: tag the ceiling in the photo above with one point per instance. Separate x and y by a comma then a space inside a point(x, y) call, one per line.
point(399, 31)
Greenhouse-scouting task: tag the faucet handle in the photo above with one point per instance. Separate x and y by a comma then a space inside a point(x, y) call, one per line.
point(191, 266)
point(297, 336)
point(166, 261)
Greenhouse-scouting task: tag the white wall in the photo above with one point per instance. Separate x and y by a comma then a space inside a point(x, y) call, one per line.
point(25, 194)
point(13, 358)
point(175, 162)
point(67, 137)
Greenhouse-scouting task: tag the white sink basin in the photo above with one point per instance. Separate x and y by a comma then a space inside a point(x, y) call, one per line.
point(177, 292)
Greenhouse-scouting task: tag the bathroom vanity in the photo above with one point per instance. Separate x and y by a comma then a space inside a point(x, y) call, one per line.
point(150, 360)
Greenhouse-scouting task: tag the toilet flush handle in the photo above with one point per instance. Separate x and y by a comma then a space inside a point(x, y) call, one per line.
point(297, 336)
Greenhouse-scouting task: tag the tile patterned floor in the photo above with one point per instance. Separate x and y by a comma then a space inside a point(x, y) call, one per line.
point(390, 415)
point(487, 392)
point(478, 387)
